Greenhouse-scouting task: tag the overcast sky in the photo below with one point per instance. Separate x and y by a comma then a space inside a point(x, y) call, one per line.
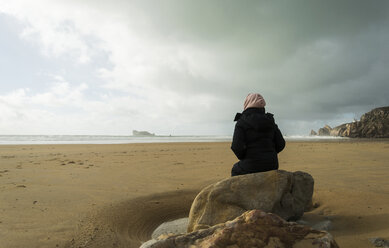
point(185, 67)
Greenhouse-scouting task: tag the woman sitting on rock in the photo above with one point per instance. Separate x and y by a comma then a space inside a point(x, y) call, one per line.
point(257, 139)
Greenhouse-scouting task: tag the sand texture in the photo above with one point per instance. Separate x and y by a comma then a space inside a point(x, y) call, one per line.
point(116, 195)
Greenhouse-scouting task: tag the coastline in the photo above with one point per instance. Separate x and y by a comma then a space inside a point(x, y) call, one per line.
point(49, 193)
point(109, 139)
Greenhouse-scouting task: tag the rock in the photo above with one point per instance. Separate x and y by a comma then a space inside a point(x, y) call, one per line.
point(313, 133)
point(175, 227)
point(149, 243)
point(303, 222)
point(142, 133)
point(374, 124)
point(325, 131)
point(284, 193)
point(253, 228)
point(323, 225)
point(337, 131)
point(379, 242)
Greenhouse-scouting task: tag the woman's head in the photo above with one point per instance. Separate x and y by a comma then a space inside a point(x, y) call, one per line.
point(254, 100)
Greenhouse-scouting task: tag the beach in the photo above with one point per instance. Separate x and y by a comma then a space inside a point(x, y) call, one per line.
point(62, 195)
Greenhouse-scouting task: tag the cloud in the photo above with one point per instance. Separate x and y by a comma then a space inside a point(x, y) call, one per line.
point(66, 109)
point(52, 28)
point(185, 66)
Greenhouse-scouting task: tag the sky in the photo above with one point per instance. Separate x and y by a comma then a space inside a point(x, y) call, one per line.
point(185, 67)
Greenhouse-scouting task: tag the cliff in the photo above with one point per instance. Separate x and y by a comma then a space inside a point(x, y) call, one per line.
point(374, 124)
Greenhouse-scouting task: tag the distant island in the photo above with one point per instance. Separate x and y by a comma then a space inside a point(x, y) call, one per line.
point(374, 124)
point(142, 133)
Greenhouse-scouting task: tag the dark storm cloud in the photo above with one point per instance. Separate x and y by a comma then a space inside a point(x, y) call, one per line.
point(339, 48)
point(312, 60)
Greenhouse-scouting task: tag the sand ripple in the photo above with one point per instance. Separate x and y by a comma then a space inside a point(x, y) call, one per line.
point(129, 223)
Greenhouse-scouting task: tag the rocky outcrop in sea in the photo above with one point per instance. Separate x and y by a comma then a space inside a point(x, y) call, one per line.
point(142, 133)
point(374, 124)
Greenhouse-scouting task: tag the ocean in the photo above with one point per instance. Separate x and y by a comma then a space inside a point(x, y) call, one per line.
point(103, 139)
point(107, 139)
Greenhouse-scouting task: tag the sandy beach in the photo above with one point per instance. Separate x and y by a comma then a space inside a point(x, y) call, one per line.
point(116, 195)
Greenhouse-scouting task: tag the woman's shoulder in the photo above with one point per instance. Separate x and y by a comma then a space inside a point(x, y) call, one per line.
point(253, 118)
point(270, 116)
point(237, 116)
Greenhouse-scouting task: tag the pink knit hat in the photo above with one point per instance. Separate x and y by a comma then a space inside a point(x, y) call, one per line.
point(254, 100)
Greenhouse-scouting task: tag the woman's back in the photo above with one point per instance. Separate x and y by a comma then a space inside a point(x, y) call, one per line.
point(256, 141)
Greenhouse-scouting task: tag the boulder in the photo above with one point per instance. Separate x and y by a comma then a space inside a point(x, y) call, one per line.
point(253, 228)
point(313, 133)
point(287, 194)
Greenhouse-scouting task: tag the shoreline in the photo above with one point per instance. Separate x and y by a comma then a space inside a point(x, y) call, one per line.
point(287, 139)
point(106, 140)
point(53, 193)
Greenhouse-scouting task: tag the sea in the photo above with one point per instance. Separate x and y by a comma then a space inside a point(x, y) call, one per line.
point(108, 139)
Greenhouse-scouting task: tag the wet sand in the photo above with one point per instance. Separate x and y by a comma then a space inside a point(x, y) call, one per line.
point(116, 195)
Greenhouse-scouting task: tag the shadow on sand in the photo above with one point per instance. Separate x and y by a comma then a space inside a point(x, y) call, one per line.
point(129, 223)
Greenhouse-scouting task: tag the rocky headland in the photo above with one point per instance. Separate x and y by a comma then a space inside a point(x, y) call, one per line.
point(374, 124)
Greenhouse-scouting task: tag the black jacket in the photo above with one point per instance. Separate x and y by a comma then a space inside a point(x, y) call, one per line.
point(256, 141)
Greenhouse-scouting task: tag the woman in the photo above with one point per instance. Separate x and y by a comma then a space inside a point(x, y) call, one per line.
point(257, 139)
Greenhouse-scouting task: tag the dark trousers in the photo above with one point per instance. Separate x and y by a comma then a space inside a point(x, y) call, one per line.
point(237, 170)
